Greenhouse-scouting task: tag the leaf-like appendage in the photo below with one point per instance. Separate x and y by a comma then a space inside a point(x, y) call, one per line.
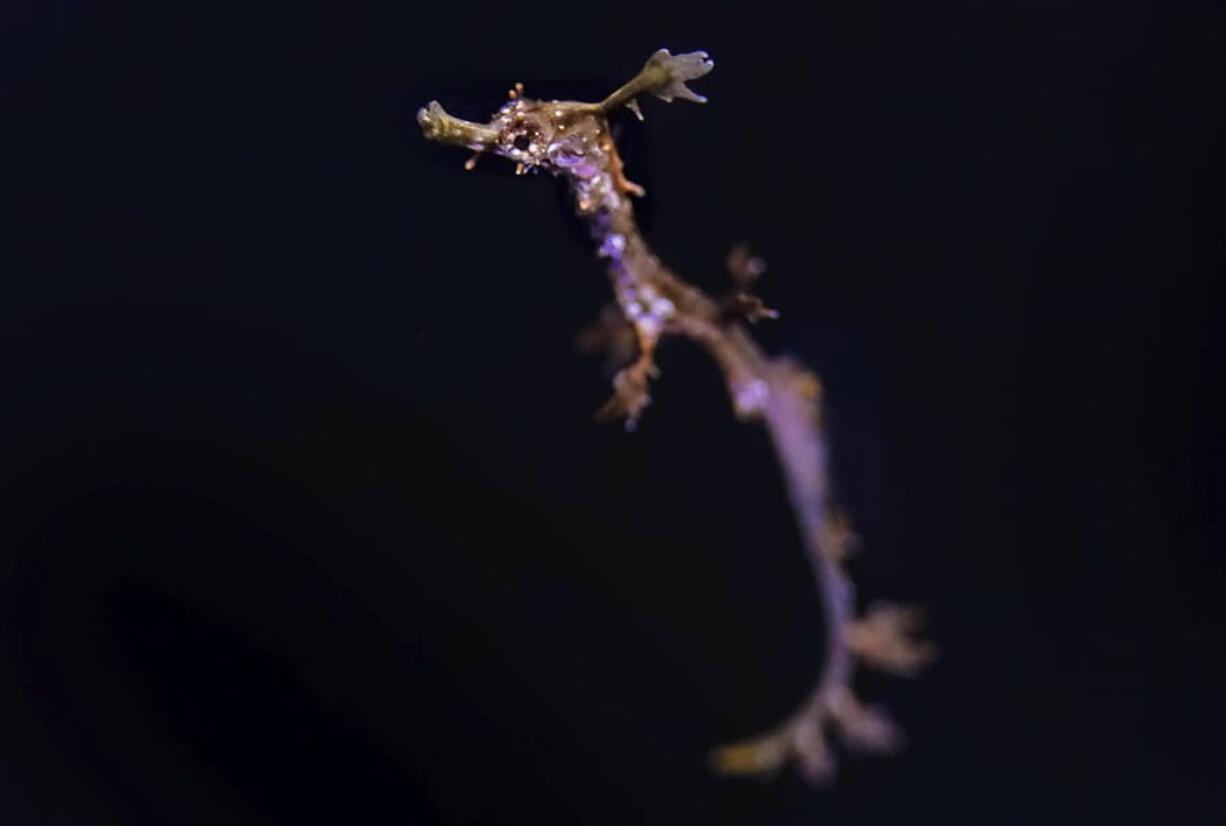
point(668, 73)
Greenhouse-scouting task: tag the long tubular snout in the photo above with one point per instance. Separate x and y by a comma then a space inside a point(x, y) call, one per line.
point(439, 126)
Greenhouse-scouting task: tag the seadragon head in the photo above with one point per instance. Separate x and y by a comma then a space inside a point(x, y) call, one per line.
point(535, 134)
point(555, 135)
point(563, 136)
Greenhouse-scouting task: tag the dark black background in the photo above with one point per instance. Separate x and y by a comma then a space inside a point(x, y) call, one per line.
point(304, 515)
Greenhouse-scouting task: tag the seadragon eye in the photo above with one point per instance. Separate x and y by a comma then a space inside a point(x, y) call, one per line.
point(522, 142)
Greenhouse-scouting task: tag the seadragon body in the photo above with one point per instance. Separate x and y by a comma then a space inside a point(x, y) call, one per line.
point(573, 140)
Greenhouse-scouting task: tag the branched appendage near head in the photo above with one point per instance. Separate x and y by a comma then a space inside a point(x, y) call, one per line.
point(572, 140)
